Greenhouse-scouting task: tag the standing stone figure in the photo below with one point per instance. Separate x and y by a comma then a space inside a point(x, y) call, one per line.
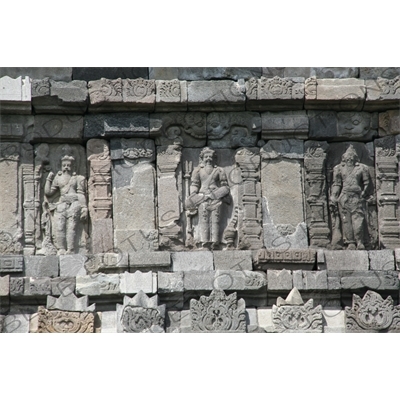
point(209, 186)
point(70, 209)
point(351, 188)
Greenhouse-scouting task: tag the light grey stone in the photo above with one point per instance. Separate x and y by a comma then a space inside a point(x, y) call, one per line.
point(283, 125)
point(284, 236)
point(334, 280)
point(233, 260)
point(133, 283)
point(69, 303)
point(270, 72)
point(293, 259)
point(334, 320)
point(4, 286)
point(279, 279)
point(139, 94)
point(381, 260)
point(37, 287)
point(382, 94)
point(11, 263)
point(63, 286)
point(344, 260)
point(141, 260)
point(298, 279)
point(239, 280)
point(171, 95)
point(56, 73)
point(170, 282)
point(397, 258)
point(17, 286)
point(264, 317)
point(389, 123)
point(16, 127)
point(109, 322)
point(73, 265)
point(16, 323)
point(199, 280)
point(315, 280)
point(322, 72)
point(15, 95)
point(286, 148)
point(98, 284)
point(40, 266)
point(139, 240)
point(376, 280)
point(192, 261)
point(216, 96)
point(58, 128)
point(251, 316)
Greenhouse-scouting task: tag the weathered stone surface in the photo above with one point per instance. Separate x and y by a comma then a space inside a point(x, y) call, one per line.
point(16, 127)
point(273, 258)
point(65, 321)
point(298, 279)
point(170, 282)
point(293, 316)
point(17, 286)
point(140, 314)
point(69, 303)
point(4, 286)
point(287, 148)
point(376, 280)
point(16, 323)
point(335, 94)
point(39, 266)
point(239, 280)
point(199, 280)
point(334, 280)
point(233, 130)
point(233, 260)
point(58, 128)
point(322, 72)
point(264, 318)
point(107, 262)
point(315, 280)
point(49, 96)
point(376, 72)
point(15, 95)
point(11, 263)
point(389, 123)
point(63, 286)
point(171, 95)
point(139, 94)
point(186, 129)
point(117, 125)
point(334, 320)
point(346, 260)
point(192, 261)
point(56, 73)
point(139, 240)
point(133, 283)
point(282, 125)
point(382, 94)
point(216, 96)
point(397, 258)
point(93, 73)
point(109, 322)
point(381, 260)
point(72, 265)
point(98, 284)
point(150, 260)
point(274, 93)
point(203, 73)
point(372, 314)
point(230, 315)
point(37, 287)
point(279, 279)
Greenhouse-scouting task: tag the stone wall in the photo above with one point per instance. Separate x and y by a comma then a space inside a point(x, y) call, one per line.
point(199, 199)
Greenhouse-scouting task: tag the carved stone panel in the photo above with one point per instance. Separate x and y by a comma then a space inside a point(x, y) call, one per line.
point(372, 314)
point(218, 313)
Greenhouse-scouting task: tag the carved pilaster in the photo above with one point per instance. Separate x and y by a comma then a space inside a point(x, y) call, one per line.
point(387, 177)
point(316, 193)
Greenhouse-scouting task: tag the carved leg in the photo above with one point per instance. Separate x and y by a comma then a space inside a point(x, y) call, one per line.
point(358, 227)
point(215, 226)
point(60, 231)
point(72, 223)
point(347, 227)
point(204, 223)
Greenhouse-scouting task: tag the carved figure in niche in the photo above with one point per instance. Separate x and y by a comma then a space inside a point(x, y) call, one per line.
point(70, 208)
point(208, 188)
point(351, 190)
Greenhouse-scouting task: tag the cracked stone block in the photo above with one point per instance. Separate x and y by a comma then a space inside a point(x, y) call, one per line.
point(40, 266)
point(279, 279)
point(234, 260)
point(344, 260)
point(37, 287)
point(192, 261)
point(381, 260)
point(133, 283)
point(98, 284)
point(170, 282)
point(150, 260)
point(73, 265)
point(63, 286)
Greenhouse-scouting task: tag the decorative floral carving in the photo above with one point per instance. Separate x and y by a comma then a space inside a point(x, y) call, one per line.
point(105, 90)
point(218, 313)
point(389, 87)
point(137, 89)
point(275, 87)
point(372, 314)
point(310, 88)
point(169, 89)
point(41, 87)
point(10, 244)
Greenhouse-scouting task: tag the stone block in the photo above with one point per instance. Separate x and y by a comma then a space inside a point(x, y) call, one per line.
point(345, 260)
point(234, 260)
point(294, 259)
point(251, 316)
point(11, 263)
point(139, 94)
point(239, 280)
point(187, 129)
point(109, 322)
point(382, 94)
point(63, 286)
point(133, 283)
point(56, 73)
point(16, 323)
point(204, 73)
point(107, 262)
point(199, 280)
point(334, 320)
point(39, 266)
point(49, 96)
point(264, 318)
point(171, 95)
point(389, 123)
point(298, 279)
point(70, 303)
point(170, 282)
point(375, 280)
point(58, 128)
point(16, 127)
point(397, 258)
point(283, 125)
point(17, 286)
point(73, 265)
point(284, 237)
point(98, 284)
point(95, 73)
point(192, 261)
point(37, 287)
point(216, 96)
point(334, 280)
point(287, 148)
point(150, 260)
point(336, 94)
point(376, 72)
point(139, 240)
point(322, 72)
point(315, 280)
point(15, 95)
point(279, 279)
point(116, 125)
point(381, 260)
point(4, 286)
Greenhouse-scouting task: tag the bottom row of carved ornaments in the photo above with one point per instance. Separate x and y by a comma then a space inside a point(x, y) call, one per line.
point(219, 313)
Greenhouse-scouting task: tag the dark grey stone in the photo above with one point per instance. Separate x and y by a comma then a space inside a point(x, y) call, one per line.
point(63, 286)
point(16, 127)
point(56, 73)
point(41, 266)
point(282, 125)
point(376, 72)
point(58, 128)
point(322, 72)
point(91, 73)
